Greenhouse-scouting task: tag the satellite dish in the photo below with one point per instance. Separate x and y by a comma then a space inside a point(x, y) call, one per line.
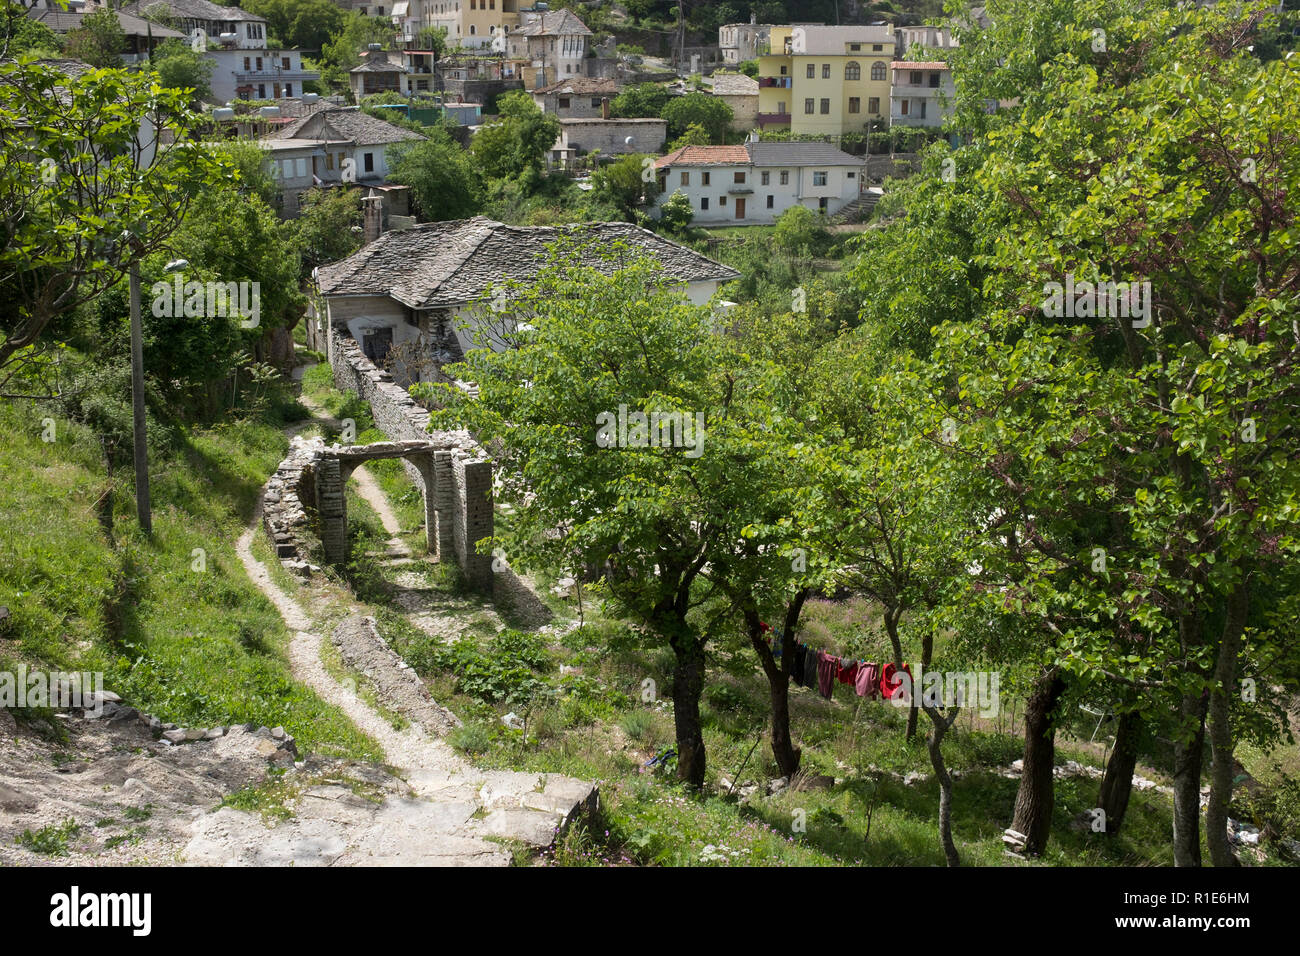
point(627, 141)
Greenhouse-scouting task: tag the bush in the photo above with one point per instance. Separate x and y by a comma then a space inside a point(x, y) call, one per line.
point(472, 738)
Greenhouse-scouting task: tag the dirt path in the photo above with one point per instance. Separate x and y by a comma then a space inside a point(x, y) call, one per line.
point(450, 811)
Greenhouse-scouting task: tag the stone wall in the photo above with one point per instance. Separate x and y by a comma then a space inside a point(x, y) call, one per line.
point(467, 496)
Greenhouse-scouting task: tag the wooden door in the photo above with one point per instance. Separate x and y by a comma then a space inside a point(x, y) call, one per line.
point(740, 207)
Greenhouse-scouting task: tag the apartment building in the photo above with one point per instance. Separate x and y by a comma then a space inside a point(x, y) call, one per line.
point(825, 80)
point(922, 93)
point(475, 24)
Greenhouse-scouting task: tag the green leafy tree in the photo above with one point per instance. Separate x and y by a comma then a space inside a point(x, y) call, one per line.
point(305, 24)
point(676, 213)
point(695, 135)
point(640, 101)
point(328, 227)
point(85, 189)
point(99, 41)
point(580, 342)
point(518, 141)
point(623, 184)
point(698, 109)
point(180, 68)
point(443, 178)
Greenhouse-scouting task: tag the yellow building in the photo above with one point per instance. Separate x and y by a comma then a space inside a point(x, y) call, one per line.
point(825, 80)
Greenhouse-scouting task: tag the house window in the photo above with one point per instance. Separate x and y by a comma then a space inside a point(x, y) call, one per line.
point(812, 70)
point(473, 4)
point(595, 102)
point(785, 70)
point(329, 160)
point(247, 64)
point(370, 162)
point(342, 156)
point(903, 111)
point(766, 178)
point(785, 177)
point(686, 178)
point(808, 105)
point(852, 70)
point(855, 105)
point(261, 91)
point(259, 64)
point(819, 178)
point(826, 71)
point(284, 62)
point(769, 202)
point(722, 200)
point(826, 106)
point(850, 175)
point(914, 77)
point(878, 70)
point(934, 81)
point(704, 178)
point(855, 47)
point(873, 105)
point(876, 48)
point(473, 30)
point(704, 202)
point(564, 102)
point(738, 178)
point(300, 166)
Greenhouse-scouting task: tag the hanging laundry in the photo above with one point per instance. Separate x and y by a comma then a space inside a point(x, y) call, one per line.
point(810, 668)
point(868, 681)
point(799, 665)
point(848, 671)
point(891, 683)
point(827, 669)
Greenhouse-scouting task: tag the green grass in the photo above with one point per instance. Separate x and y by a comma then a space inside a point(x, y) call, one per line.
point(172, 620)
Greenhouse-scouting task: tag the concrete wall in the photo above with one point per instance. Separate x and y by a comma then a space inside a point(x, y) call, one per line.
point(609, 136)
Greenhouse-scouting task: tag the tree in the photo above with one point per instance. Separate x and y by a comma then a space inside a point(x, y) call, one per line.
point(640, 101)
point(676, 213)
point(1143, 498)
point(695, 135)
point(99, 41)
point(328, 227)
point(443, 179)
point(623, 184)
point(519, 140)
point(25, 36)
point(700, 109)
point(602, 332)
point(98, 170)
point(306, 24)
point(180, 68)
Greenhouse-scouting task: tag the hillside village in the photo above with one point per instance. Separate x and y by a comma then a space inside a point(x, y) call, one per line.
point(631, 434)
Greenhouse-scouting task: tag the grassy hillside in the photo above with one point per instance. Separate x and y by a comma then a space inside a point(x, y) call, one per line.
point(173, 621)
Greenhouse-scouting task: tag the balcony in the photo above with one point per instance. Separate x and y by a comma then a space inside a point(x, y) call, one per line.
point(769, 119)
point(777, 82)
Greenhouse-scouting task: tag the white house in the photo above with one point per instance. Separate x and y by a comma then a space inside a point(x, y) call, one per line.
point(329, 146)
point(753, 184)
point(415, 286)
point(921, 93)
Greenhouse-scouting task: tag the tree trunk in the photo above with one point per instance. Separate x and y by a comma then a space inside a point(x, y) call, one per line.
point(927, 653)
point(688, 682)
point(933, 744)
point(1221, 741)
point(1117, 783)
point(778, 680)
point(1037, 794)
point(1187, 783)
point(892, 615)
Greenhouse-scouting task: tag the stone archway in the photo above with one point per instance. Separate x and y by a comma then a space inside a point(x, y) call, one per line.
point(457, 494)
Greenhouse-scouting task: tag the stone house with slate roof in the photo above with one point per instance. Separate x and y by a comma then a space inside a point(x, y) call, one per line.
point(334, 145)
point(417, 285)
point(754, 183)
point(553, 44)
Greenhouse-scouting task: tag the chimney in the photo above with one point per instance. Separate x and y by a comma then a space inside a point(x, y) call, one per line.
point(604, 107)
point(372, 209)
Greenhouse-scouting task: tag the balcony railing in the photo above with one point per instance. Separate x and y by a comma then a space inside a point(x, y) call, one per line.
point(768, 119)
point(780, 82)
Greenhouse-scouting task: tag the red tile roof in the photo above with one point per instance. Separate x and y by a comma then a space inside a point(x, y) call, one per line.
point(705, 156)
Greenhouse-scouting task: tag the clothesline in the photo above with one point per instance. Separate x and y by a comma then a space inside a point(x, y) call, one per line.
point(821, 671)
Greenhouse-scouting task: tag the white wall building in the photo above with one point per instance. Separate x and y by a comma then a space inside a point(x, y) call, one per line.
point(753, 184)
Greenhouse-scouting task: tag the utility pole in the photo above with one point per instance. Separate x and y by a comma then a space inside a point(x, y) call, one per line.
point(141, 446)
